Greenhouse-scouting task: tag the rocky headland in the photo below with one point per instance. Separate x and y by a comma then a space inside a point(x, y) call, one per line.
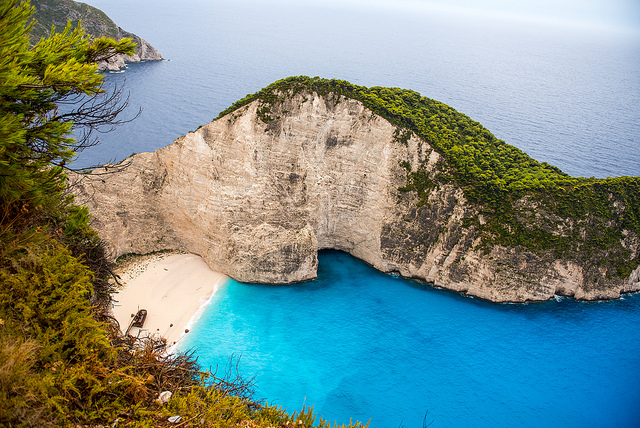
point(144, 52)
point(310, 164)
point(58, 13)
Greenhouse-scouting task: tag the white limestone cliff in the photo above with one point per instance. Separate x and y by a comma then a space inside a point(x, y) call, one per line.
point(257, 201)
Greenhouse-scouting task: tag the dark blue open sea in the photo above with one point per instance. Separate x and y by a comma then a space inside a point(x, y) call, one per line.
point(357, 343)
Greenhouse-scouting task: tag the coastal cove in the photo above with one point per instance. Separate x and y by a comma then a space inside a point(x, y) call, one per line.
point(355, 337)
point(443, 230)
point(356, 343)
point(173, 288)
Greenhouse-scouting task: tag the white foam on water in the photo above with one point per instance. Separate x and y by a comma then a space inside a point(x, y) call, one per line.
point(202, 306)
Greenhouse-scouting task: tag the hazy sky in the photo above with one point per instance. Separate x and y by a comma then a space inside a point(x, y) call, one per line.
point(622, 14)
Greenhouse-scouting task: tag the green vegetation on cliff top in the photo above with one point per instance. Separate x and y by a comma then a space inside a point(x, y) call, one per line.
point(494, 175)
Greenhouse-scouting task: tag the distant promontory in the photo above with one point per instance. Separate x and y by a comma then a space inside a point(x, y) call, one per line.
point(57, 13)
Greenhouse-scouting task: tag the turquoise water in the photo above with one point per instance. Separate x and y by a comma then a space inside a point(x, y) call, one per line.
point(362, 344)
point(356, 343)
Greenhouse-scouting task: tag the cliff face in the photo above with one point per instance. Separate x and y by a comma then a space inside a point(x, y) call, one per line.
point(144, 52)
point(57, 13)
point(257, 201)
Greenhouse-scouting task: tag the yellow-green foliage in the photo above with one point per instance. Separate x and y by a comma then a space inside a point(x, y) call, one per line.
point(23, 392)
point(217, 410)
point(35, 137)
point(47, 324)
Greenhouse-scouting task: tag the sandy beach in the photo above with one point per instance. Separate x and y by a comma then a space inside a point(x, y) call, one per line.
point(171, 286)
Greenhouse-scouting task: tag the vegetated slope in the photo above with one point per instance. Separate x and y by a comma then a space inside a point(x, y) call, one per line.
point(57, 13)
point(522, 200)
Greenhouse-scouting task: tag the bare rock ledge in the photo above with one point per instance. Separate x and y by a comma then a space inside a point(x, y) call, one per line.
point(257, 201)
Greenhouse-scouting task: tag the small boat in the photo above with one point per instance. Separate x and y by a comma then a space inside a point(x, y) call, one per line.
point(138, 320)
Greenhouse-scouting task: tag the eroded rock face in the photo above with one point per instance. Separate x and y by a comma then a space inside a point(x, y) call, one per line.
point(258, 200)
point(144, 52)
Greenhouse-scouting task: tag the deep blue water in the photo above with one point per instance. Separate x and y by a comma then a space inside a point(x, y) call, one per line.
point(356, 343)
point(566, 95)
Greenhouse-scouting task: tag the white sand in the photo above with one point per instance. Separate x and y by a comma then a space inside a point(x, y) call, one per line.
point(170, 286)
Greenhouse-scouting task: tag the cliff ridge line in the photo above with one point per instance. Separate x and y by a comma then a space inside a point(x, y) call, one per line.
point(258, 191)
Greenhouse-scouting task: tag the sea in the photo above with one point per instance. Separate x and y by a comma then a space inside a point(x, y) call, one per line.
point(356, 343)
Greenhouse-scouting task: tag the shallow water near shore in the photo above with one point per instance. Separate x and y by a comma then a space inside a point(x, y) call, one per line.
point(356, 343)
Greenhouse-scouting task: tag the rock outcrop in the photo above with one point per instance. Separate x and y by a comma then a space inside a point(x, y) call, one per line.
point(144, 52)
point(96, 23)
point(258, 200)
